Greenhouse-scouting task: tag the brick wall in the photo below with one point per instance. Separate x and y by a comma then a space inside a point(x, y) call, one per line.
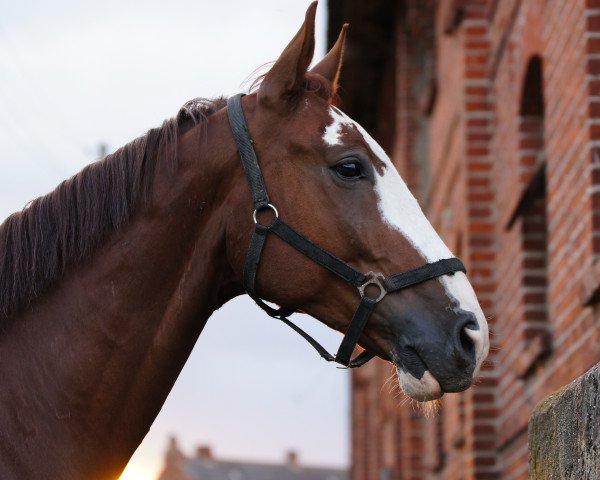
point(496, 128)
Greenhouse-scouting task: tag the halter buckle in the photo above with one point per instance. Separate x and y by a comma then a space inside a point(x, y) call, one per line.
point(375, 279)
point(271, 207)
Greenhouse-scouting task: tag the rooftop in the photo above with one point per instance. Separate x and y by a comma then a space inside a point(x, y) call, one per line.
point(204, 466)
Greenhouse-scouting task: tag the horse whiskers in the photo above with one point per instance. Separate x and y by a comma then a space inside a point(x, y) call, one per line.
point(404, 400)
point(395, 391)
point(391, 383)
point(428, 410)
point(431, 409)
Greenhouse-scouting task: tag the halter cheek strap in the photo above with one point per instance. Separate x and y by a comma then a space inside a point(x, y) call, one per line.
point(361, 281)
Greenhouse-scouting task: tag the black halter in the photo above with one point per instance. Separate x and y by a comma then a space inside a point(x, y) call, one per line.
point(360, 280)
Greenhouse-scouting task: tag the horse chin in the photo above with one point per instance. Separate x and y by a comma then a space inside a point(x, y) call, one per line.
point(425, 389)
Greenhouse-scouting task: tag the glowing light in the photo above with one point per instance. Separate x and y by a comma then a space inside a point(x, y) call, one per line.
point(136, 472)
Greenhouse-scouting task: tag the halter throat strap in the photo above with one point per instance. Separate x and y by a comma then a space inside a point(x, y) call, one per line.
point(346, 272)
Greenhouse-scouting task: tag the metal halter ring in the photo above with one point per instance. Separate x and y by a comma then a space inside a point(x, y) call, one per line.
point(377, 280)
point(272, 207)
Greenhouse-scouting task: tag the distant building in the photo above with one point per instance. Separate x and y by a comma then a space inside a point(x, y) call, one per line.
point(204, 466)
point(490, 110)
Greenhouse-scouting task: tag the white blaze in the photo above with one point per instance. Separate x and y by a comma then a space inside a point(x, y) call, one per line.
point(400, 210)
point(334, 131)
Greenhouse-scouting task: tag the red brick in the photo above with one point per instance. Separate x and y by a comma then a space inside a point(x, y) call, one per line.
point(593, 66)
point(593, 23)
point(480, 156)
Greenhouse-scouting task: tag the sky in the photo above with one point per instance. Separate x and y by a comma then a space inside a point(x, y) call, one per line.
point(74, 75)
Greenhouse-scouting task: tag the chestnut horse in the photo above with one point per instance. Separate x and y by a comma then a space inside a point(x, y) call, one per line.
point(107, 282)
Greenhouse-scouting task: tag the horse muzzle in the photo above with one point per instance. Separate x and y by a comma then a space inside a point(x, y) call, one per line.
point(438, 361)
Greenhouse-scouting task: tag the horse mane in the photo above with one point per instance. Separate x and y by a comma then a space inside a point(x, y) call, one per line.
point(62, 228)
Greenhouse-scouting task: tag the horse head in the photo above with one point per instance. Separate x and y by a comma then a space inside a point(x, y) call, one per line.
point(331, 181)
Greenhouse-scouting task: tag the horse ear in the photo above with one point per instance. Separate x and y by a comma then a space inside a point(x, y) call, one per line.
point(330, 65)
point(286, 77)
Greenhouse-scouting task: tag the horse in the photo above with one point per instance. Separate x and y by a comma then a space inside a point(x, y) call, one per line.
point(107, 282)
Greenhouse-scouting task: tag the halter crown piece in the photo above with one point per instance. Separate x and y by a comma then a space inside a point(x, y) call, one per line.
point(361, 281)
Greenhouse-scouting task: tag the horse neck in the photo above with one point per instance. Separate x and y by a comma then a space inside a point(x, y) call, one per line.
point(87, 369)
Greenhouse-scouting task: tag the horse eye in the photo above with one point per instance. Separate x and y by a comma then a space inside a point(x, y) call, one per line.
point(349, 170)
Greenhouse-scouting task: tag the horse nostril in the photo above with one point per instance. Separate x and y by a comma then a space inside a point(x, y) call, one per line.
point(466, 342)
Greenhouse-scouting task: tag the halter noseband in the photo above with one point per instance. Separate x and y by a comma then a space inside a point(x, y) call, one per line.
point(317, 254)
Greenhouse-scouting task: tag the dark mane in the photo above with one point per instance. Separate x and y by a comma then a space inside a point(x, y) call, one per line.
point(63, 227)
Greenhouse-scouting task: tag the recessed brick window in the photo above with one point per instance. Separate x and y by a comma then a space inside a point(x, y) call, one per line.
point(529, 224)
point(532, 225)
